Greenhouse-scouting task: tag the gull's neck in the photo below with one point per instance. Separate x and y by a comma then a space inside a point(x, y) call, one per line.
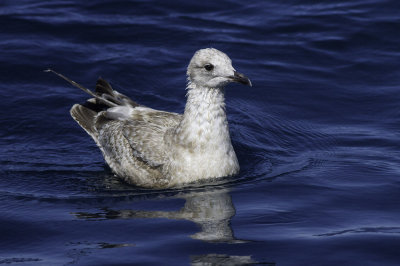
point(204, 120)
point(202, 146)
point(208, 99)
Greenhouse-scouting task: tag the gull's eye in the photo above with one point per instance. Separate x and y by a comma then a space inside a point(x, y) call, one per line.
point(209, 67)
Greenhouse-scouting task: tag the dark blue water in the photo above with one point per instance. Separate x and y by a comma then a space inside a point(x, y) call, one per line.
point(317, 135)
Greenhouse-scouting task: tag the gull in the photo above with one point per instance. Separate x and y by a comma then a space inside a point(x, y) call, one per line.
point(158, 149)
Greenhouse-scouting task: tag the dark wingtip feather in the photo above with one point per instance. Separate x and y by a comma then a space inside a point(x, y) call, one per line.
point(105, 91)
point(102, 86)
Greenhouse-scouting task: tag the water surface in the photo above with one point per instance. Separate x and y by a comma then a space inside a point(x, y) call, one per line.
point(316, 136)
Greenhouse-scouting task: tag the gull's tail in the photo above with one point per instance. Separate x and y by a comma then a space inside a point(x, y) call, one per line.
point(104, 93)
point(104, 97)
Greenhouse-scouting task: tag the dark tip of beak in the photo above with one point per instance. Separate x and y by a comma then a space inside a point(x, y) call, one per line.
point(239, 77)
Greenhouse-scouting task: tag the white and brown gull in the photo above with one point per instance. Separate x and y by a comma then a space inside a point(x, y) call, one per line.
point(158, 149)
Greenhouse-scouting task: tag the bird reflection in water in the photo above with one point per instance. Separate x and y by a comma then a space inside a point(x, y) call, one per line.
point(212, 210)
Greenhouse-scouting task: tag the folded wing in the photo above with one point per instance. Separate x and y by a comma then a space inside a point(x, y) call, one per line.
point(145, 131)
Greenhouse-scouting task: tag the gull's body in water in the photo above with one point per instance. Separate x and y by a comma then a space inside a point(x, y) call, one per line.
point(158, 149)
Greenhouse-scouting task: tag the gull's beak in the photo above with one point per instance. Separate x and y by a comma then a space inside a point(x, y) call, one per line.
point(239, 77)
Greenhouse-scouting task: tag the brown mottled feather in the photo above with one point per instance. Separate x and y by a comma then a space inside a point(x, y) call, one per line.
point(147, 138)
point(85, 118)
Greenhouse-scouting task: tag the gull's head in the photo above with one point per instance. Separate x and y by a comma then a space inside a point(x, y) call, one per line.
point(212, 68)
